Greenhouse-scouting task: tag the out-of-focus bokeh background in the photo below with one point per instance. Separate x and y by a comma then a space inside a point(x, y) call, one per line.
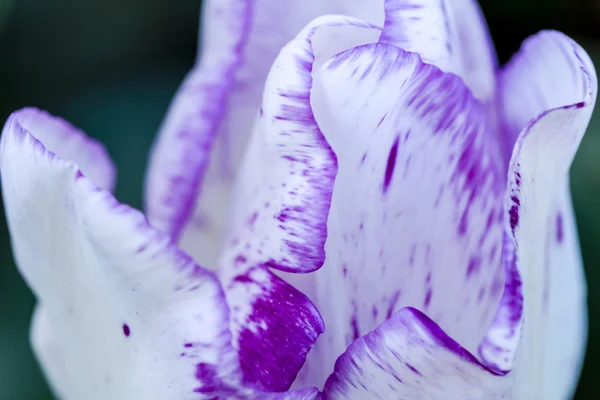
point(111, 67)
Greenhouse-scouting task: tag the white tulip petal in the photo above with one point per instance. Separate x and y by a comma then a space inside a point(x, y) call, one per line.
point(122, 314)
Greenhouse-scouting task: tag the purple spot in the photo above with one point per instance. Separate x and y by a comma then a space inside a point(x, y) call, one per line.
point(126, 330)
point(428, 298)
point(375, 312)
point(518, 177)
point(474, 266)
point(413, 369)
point(391, 164)
point(355, 331)
point(514, 217)
point(253, 219)
point(240, 259)
point(560, 234)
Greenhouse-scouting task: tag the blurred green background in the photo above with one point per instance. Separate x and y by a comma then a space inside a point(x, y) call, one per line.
point(111, 67)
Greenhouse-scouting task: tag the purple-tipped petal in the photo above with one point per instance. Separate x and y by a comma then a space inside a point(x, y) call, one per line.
point(201, 143)
point(279, 222)
point(541, 222)
point(70, 143)
point(122, 314)
point(416, 211)
point(410, 357)
point(450, 34)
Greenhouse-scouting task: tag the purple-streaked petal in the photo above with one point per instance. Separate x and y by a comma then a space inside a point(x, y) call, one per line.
point(410, 357)
point(279, 222)
point(204, 136)
point(554, 72)
point(121, 314)
point(416, 211)
point(450, 34)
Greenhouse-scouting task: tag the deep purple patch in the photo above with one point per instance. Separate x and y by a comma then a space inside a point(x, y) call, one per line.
point(391, 165)
point(285, 325)
point(126, 330)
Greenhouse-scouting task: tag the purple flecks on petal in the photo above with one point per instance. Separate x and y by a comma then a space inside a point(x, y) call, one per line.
point(435, 221)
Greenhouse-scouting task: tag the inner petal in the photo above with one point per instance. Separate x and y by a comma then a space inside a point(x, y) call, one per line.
point(416, 212)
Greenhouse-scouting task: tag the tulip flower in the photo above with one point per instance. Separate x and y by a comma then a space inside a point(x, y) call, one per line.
point(346, 200)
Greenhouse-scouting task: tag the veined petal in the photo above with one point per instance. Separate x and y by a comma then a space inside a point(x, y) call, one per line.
point(541, 219)
point(450, 34)
point(284, 188)
point(205, 134)
point(416, 212)
point(409, 356)
point(122, 314)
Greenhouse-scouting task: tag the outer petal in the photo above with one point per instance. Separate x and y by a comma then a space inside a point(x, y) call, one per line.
point(206, 131)
point(559, 74)
point(416, 212)
point(285, 183)
point(122, 314)
point(450, 34)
